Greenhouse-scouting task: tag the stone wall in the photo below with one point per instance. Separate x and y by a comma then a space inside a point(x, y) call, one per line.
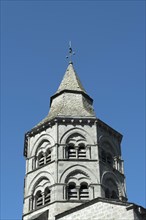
point(101, 210)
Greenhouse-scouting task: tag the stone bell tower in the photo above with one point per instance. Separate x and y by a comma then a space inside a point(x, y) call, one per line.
point(71, 156)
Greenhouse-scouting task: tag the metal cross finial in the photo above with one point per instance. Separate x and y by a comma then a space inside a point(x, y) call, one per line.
point(71, 53)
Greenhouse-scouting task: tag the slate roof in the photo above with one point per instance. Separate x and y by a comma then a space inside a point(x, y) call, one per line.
point(70, 100)
point(71, 81)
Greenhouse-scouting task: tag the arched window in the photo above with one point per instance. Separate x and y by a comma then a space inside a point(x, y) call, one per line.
point(81, 151)
point(72, 191)
point(41, 193)
point(111, 189)
point(114, 195)
point(78, 193)
point(71, 151)
point(78, 152)
point(41, 199)
point(106, 158)
point(111, 194)
point(38, 199)
point(41, 159)
point(76, 148)
point(83, 191)
point(48, 156)
point(47, 196)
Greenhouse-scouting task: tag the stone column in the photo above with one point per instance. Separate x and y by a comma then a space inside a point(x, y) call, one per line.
point(30, 203)
point(88, 152)
point(78, 192)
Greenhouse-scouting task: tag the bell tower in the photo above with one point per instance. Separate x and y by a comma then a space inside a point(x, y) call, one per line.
point(71, 156)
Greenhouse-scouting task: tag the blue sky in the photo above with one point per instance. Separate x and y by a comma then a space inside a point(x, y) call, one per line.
point(109, 40)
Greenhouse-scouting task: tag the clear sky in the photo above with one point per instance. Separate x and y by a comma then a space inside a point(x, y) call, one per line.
point(109, 40)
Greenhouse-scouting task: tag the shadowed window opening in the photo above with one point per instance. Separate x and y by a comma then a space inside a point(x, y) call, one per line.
point(72, 191)
point(39, 199)
point(41, 159)
point(48, 156)
point(114, 195)
point(82, 151)
point(109, 159)
point(84, 192)
point(71, 152)
point(47, 196)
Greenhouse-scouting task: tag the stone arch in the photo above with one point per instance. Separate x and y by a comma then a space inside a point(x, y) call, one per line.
point(76, 138)
point(41, 139)
point(42, 146)
point(41, 185)
point(106, 140)
point(109, 175)
point(78, 177)
point(79, 169)
point(73, 180)
point(37, 179)
point(40, 188)
point(79, 131)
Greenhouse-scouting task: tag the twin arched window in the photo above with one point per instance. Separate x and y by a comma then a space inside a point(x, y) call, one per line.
point(43, 158)
point(111, 194)
point(77, 193)
point(42, 198)
point(107, 158)
point(76, 147)
point(78, 152)
point(43, 154)
point(111, 189)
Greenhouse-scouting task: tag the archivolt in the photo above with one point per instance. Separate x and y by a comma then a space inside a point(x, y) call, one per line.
point(109, 175)
point(105, 139)
point(38, 178)
point(41, 139)
point(79, 131)
point(77, 169)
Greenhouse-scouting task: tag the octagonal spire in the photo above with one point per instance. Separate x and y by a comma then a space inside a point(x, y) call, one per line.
point(70, 81)
point(71, 99)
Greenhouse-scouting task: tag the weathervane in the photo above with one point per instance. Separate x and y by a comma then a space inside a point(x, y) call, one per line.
point(71, 53)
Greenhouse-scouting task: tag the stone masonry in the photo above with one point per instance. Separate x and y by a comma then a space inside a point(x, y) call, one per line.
point(101, 209)
point(74, 166)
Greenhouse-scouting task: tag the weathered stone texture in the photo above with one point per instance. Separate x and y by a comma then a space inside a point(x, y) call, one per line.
point(100, 211)
point(72, 159)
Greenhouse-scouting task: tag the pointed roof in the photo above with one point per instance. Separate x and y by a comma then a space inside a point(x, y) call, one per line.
point(71, 81)
point(71, 99)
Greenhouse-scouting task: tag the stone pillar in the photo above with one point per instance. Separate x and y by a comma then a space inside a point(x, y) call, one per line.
point(43, 196)
point(31, 203)
point(88, 153)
